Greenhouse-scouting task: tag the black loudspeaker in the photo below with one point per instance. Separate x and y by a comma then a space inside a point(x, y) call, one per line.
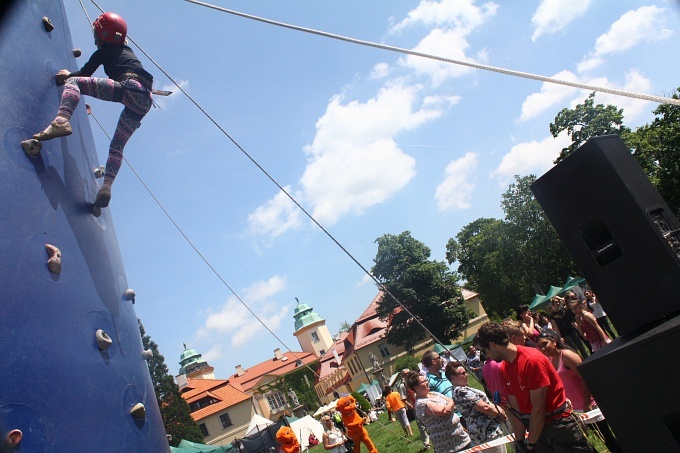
point(621, 233)
point(635, 383)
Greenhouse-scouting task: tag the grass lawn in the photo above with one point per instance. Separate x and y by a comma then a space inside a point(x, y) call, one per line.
point(389, 437)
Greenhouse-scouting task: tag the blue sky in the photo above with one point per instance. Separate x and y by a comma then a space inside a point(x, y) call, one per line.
point(368, 141)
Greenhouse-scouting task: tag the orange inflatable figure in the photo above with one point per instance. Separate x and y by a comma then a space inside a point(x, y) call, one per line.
point(354, 423)
point(286, 437)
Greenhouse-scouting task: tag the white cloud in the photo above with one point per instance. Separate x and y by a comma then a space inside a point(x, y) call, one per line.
point(213, 354)
point(365, 280)
point(553, 15)
point(453, 20)
point(234, 319)
point(166, 101)
point(530, 158)
point(459, 13)
point(550, 95)
point(276, 216)
point(645, 24)
point(554, 95)
point(380, 71)
point(456, 189)
point(354, 162)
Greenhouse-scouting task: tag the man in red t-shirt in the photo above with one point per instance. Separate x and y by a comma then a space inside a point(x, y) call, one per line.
point(536, 395)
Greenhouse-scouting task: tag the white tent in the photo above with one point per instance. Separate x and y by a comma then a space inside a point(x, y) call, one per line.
point(257, 423)
point(305, 426)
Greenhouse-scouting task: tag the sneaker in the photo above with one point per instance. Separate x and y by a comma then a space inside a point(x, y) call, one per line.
point(54, 130)
point(103, 196)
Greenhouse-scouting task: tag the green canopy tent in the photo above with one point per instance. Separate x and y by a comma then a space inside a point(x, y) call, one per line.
point(193, 447)
point(571, 282)
point(363, 387)
point(552, 292)
point(439, 349)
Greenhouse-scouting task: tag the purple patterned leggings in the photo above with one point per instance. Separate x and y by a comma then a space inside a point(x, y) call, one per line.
point(135, 98)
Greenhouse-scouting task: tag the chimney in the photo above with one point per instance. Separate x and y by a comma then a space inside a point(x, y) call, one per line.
point(239, 370)
point(277, 354)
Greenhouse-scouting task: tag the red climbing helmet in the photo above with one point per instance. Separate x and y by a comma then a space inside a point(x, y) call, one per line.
point(111, 28)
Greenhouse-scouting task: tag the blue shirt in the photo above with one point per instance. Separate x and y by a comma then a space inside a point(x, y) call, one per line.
point(439, 384)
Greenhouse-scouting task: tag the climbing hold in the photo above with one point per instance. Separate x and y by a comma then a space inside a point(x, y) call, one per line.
point(13, 438)
point(77, 52)
point(103, 340)
point(99, 172)
point(129, 294)
point(47, 23)
point(54, 263)
point(138, 411)
point(96, 210)
point(147, 354)
point(31, 146)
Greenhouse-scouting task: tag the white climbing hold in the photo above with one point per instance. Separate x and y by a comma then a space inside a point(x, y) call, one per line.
point(129, 294)
point(54, 263)
point(14, 438)
point(147, 354)
point(31, 146)
point(104, 342)
point(99, 172)
point(47, 23)
point(138, 411)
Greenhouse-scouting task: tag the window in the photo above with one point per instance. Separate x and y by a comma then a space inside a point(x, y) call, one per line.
point(315, 337)
point(322, 352)
point(204, 430)
point(351, 367)
point(226, 421)
point(383, 350)
point(203, 402)
point(275, 400)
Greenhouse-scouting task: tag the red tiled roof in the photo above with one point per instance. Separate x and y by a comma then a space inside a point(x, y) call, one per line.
point(225, 394)
point(327, 364)
point(271, 367)
point(467, 294)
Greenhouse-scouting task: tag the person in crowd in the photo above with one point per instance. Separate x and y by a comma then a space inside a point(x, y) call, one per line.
point(390, 415)
point(528, 325)
point(491, 370)
point(409, 399)
point(333, 438)
point(435, 374)
point(566, 362)
point(482, 418)
point(289, 442)
point(436, 412)
point(354, 423)
point(446, 357)
point(395, 404)
point(538, 403)
point(474, 362)
point(564, 323)
point(517, 335)
point(587, 326)
point(544, 321)
point(600, 315)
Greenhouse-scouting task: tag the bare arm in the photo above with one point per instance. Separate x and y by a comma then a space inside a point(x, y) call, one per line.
point(517, 425)
point(590, 318)
point(573, 360)
point(488, 409)
point(537, 419)
point(440, 410)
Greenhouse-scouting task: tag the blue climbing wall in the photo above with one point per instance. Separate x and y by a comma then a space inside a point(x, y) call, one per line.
point(58, 388)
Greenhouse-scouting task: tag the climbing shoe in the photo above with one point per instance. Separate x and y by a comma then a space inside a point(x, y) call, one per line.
point(103, 196)
point(54, 130)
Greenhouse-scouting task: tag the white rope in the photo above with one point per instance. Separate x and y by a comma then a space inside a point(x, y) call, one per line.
point(526, 75)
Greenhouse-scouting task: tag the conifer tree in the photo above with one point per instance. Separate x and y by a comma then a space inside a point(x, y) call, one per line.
point(174, 409)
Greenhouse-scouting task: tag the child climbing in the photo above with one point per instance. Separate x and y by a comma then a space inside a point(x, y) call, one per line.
point(128, 83)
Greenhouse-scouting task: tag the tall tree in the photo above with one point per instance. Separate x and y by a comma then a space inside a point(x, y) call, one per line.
point(174, 409)
point(427, 288)
point(508, 261)
point(656, 146)
point(587, 120)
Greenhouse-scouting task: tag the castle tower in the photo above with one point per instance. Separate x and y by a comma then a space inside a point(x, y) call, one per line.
point(193, 366)
point(311, 330)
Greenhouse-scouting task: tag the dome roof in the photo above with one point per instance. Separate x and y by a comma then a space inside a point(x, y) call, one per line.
point(305, 316)
point(190, 361)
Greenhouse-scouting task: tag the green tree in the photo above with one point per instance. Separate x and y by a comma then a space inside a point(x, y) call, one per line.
point(427, 288)
point(174, 409)
point(344, 327)
point(508, 261)
point(656, 146)
point(362, 402)
point(407, 361)
point(587, 120)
